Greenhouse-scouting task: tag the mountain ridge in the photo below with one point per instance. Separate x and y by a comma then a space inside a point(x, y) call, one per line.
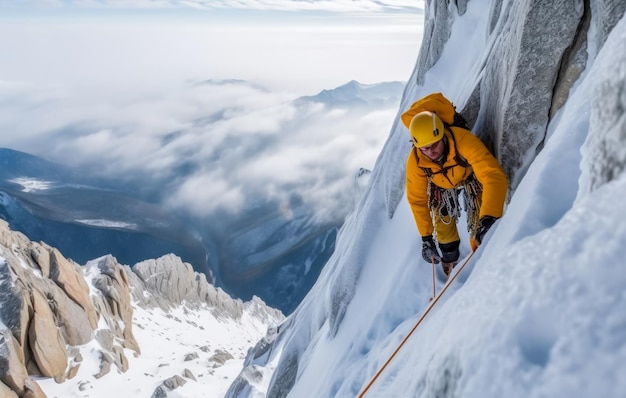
point(55, 314)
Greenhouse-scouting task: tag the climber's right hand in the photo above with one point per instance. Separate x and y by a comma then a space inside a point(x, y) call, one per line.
point(429, 250)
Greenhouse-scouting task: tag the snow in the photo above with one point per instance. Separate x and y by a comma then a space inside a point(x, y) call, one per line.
point(32, 184)
point(537, 311)
point(165, 339)
point(108, 223)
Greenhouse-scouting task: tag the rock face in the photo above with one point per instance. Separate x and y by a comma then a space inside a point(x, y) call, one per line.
point(49, 306)
point(168, 282)
point(535, 51)
point(112, 299)
point(606, 157)
point(514, 111)
point(46, 309)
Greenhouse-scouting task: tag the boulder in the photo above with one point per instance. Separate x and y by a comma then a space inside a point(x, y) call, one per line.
point(73, 321)
point(13, 373)
point(46, 343)
point(33, 390)
point(6, 392)
point(70, 278)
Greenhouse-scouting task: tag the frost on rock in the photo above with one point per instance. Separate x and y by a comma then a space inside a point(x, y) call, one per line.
point(606, 14)
point(519, 77)
point(437, 28)
point(606, 150)
point(390, 179)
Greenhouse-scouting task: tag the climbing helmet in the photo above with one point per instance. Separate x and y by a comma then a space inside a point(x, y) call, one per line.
point(426, 128)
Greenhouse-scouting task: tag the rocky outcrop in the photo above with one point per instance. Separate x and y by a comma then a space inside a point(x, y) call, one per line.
point(13, 373)
point(46, 309)
point(168, 385)
point(113, 300)
point(50, 307)
point(46, 343)
point(168, 282)
point(606, 153)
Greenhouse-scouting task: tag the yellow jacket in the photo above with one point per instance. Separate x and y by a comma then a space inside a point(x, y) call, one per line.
point(484, 165)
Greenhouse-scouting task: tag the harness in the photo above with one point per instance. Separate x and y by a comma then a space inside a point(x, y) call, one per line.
point(444, 203)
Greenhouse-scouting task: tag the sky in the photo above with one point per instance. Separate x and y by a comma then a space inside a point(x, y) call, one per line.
point(142, 88)
point(537, 311)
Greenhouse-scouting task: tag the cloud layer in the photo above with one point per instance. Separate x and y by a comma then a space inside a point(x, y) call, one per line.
point(132, 101)
point(216, 146)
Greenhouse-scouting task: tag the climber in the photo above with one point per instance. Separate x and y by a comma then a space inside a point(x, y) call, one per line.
point(446, 161)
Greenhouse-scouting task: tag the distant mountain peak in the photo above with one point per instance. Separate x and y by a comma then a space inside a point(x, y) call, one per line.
point(355, 93)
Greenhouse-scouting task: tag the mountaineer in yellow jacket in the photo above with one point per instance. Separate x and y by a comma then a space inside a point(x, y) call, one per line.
point(444, 161)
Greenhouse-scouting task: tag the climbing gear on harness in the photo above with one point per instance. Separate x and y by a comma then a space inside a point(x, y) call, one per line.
point(429, 250)
point(444, 203)
point(419, 321)
point(426, 128)
point(472, 198)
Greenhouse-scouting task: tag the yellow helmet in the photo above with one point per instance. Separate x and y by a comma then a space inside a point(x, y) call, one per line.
point(426, 128)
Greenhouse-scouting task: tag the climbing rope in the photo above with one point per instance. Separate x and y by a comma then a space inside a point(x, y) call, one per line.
point(419, 321)
point(432, 261)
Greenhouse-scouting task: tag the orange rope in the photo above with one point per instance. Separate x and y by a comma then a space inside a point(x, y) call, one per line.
point(432, 259)
point(430, 306)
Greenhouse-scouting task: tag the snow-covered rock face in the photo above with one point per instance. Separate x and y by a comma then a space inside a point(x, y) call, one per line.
point(519, 77)
point(606, 151)
point(545, 88)
point(437, 25)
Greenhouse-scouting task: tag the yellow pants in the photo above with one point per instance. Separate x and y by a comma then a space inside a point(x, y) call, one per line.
point(445, 229)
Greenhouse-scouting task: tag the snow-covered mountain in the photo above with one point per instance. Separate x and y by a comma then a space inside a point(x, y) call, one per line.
point(354, 94)
point(538, 309)
point(103, 329)
point(269, 248)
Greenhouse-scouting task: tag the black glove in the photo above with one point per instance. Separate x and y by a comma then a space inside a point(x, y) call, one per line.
point(429, 250)
point(483, 226)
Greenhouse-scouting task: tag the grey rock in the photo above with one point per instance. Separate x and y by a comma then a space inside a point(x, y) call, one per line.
point(174, 382)
point(13, 373)
point(105, 365)
point(606, 14)
point(514, 111)
point(220, 357)
point(189, 374)
point(168, 385)
point(168, 282)
point(191, 356)
point(606, 153)
point(113, 301)
point(159, 392)
point(437, 31)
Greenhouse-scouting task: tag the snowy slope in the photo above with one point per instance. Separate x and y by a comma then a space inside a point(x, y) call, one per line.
point(538, 310)
point(189, 350)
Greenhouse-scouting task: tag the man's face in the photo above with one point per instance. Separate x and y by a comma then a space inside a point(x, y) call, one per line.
point(434, 151)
